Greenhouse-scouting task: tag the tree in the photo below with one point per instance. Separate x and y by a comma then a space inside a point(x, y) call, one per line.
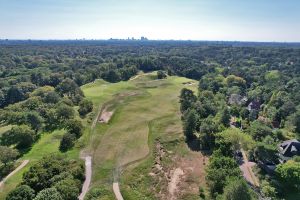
point(7, 154)
point(233, 80)
point(22, 192)
point(273, 78)
point(208, 128)
point(69, 88)
point(161, 74)
point(289, 174)
point(74, 127)
point(23, 136)
point(189, 125)
point(67, 142)
point(64, 112)
point(48, 194)
point(113, 76)
point(237, 189)
point(268, 190)
point(266, 152)
point(19, 92)
point(234, 139)
point(51, 97)
point(85, 107)
point(259, 130)
point(225, 117)
point(2, 99)
point(294, 120)
point(68, 189)
point(219, 169)
point(187, 98)
point(34, 120)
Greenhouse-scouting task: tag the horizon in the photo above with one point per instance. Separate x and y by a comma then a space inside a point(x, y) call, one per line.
point(194, 20)
point(139, 40)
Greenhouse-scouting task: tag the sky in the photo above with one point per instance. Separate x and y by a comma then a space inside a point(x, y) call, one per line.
point(226, 20)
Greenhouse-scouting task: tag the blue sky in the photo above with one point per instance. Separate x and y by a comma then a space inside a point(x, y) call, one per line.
point(243, 20)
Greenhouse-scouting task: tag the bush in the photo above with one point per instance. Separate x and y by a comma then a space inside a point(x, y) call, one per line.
point(23, 192)
point(85, 107)
point(48, 194)
point(237, 189)
point(161, 74)
point(74, 127)
point(23, 136)
point(68, 189)
point(67, 142)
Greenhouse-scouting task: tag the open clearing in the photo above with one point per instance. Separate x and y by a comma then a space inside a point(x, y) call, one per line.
point(145, 111)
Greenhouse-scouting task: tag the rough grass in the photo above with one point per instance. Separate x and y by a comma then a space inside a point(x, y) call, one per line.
point(138, 119)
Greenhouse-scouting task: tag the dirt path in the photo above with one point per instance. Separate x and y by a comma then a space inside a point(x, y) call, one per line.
point(135, 77)
point(23, 164)
point(88, 177)
point(117, 192)
point(246, 168)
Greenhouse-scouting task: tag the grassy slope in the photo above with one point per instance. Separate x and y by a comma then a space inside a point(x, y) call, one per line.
point(154, 106)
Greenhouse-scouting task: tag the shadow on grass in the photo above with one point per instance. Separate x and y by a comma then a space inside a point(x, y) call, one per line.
point(194, 145)
point(23, 151)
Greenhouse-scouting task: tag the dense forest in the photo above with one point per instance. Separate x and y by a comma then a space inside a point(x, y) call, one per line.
point(248, 99)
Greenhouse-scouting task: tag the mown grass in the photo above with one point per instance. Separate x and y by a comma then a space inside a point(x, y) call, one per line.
point(154, 110)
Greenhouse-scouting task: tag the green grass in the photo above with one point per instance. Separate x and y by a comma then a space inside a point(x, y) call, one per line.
point(126, 138)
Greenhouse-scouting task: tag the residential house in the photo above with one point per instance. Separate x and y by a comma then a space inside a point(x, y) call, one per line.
point(288, 149)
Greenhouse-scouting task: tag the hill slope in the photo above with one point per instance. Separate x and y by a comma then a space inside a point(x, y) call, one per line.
point(145, 115)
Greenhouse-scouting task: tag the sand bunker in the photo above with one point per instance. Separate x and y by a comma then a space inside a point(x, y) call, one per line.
point(105, 115)
point(189, 83)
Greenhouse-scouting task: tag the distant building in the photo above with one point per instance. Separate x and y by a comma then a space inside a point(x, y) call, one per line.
point(144, 38)
point(288, 149)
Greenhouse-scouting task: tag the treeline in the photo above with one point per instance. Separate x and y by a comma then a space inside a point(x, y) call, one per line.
point(24, 68)
point(250, 106)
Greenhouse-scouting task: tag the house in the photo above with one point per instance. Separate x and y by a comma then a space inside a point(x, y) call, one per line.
point(236, 99)
point(253, 105)
point(288, 149)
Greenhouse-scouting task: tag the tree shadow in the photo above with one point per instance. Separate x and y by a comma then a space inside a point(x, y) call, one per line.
point(193, 144)
point(23, 151)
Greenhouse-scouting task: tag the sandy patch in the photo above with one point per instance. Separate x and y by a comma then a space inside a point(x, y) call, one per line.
point(175, 178)
point(189, 83)
point(105, 115)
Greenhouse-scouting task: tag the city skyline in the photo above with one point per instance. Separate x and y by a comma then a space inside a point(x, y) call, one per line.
point(219, 20)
